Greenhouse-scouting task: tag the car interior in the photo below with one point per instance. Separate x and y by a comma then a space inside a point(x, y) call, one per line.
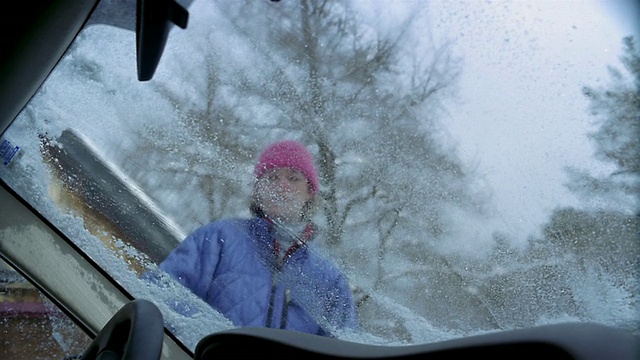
point(114, 319)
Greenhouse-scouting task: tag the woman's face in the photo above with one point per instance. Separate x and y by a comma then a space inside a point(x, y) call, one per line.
point(282, 193)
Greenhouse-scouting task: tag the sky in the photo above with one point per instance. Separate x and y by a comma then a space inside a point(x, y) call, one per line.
point(521, 116)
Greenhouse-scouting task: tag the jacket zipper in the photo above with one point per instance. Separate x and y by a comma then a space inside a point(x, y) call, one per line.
point(274, 285)
point(279, 265)
point(285, 308)
point(285, 303)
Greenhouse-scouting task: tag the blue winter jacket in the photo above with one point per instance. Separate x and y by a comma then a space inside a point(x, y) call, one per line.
point(231, 265)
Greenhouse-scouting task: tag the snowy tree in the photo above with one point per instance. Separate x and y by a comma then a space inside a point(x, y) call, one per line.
point(602, 238)
point(608, 226)
point(616, 111)
point(367, 103)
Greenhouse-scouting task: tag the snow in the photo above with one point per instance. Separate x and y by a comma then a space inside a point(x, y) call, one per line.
point(114, 110)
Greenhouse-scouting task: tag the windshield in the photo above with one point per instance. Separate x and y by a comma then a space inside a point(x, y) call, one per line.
point(387, 172)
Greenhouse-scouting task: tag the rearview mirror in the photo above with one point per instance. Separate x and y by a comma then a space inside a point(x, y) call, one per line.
point(154, 19)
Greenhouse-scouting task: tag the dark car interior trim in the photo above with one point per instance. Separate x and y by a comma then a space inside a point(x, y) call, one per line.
point(154, 20)
point(133, 332)
point(583, 341)
point(36, 28)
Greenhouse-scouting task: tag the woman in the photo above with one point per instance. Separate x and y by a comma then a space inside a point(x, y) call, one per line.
point(260, 271)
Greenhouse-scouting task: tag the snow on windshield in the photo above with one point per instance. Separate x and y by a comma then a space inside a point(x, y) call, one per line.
point(447, 204)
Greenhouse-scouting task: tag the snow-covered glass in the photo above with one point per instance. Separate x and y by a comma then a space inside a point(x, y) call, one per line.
point(477, 161)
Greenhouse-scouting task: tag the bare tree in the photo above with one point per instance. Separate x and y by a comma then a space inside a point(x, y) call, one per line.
point(368, 102)
point(350, 91)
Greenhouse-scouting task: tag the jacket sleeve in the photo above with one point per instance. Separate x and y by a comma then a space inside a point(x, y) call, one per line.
point(194, 261)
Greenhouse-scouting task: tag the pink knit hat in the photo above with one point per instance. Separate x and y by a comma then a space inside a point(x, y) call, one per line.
point(288, 154)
